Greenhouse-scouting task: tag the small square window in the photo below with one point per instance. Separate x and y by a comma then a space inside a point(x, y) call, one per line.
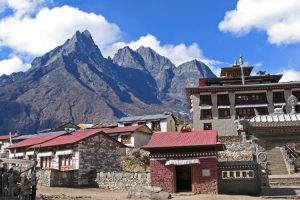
point(231, 174)
point(250, 174)
point(206, 172)
point(224, 174)
point(244, 174)
point(207, 126)
point(237, 174)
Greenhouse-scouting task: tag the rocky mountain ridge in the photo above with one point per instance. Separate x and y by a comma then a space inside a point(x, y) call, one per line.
point(74, 82)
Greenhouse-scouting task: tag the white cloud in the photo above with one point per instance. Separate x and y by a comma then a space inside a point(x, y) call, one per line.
point(11, 65)
point(178, 54)
point(21, 7)
point(290, 75)
point(34, 35)
point(280, 19)
point(51, 27)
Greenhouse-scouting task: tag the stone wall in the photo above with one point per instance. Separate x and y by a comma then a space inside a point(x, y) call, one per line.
point(55, 178)
point(164, 176)
point(236, 149)
point(100, 153)
point(202, 184)
point(122, 180)
point(161, 175)
point(107, 180)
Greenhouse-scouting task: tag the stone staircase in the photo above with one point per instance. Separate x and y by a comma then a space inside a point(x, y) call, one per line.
point(284, 180)
point(276, 164)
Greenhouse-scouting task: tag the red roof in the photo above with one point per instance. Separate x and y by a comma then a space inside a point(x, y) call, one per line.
point(182, 139)
point(6, 137)
point(123, 129)
point(73, 138)
point(34, 141)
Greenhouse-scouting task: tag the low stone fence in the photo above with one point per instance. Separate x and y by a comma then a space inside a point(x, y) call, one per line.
point(122, 180)
point(108, 180)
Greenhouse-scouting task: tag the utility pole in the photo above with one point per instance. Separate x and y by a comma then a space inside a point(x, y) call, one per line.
point(242, 71)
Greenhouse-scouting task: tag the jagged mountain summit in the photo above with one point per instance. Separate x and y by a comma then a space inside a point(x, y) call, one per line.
point(74, 82)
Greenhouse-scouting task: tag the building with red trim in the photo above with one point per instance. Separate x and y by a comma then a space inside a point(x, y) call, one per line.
point(185, 161)
point(132, 136)
point(71, 159)
point(218, 102)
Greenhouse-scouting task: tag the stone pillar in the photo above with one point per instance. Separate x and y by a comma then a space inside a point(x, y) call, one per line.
point(196, 111)
point(214, 110)
point(287, 94)
point(232, 104)
point(270, 101)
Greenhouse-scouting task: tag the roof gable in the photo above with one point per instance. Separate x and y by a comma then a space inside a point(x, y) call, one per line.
point(182, 139)
point(73, 138)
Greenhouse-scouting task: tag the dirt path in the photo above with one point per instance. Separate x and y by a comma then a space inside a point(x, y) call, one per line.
point(55, 193)
point(82, 194)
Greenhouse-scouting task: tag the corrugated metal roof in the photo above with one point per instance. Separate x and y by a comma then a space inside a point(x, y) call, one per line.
point(23, 137)
point(186, 139)
point(6, 137)
point(144, 117)
point(124, 129)
point(69, 138)
point(72, 138)
point(34, 141)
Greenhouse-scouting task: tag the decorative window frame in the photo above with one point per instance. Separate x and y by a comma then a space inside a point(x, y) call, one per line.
point(238, 174)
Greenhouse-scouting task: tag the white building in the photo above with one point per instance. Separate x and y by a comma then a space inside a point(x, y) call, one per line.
point(165, 122)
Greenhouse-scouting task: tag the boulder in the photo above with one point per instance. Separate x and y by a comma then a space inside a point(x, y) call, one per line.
point(148, 192)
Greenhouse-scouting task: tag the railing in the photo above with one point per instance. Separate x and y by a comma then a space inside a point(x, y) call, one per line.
point(291, 158)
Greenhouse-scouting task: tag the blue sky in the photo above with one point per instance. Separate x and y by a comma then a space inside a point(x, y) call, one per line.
point(264, 32)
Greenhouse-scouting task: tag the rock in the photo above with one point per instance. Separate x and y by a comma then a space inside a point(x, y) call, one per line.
point(148, 192)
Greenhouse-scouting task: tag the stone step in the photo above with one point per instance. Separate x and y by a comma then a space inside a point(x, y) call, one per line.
point(276, 164)
point(285, 181)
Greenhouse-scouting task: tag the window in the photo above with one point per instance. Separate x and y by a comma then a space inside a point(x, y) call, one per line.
point(206, 114)
point(128, 124)
point(245, 113)
point(238, 174)
point(156, 126)
point(141, 123)
point(224, 113)
point(206, 172)
point(255, 98)
point(296, 94)
point(297, 108)
point(205, 100)
point(126, 139)
point(278, 97)
point(45, 162)
point(207, 126)
point(262, 110)
point(65, 162)
point(223, 99)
